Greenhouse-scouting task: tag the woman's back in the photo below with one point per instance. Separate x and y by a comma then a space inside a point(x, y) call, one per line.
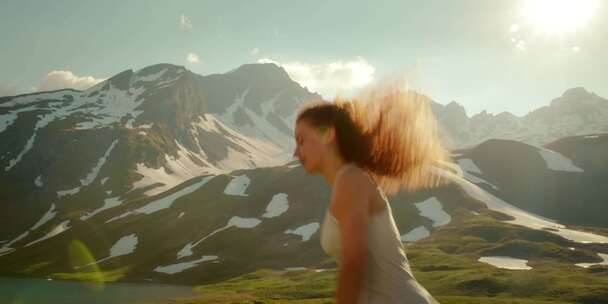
point(388, 277)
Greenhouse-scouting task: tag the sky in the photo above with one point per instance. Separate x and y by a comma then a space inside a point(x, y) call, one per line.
point(499, 55)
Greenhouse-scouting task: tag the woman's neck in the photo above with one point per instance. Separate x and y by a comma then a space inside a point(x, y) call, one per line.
point(332, 168)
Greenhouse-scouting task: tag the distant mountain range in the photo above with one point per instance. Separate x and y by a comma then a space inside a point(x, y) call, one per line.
point(165, 175)
point(576, 112)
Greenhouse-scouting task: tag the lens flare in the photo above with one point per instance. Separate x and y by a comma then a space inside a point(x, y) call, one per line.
point(559, 16)
point(79, 255)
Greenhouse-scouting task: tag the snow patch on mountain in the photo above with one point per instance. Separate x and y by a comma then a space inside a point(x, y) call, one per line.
point(558, 162)
point(415, 234)
point(179, 267)
point(9, 118)
point(91, 176)
point(107, 204)
point(268, 106)
point(468, 165)
point(235, 221)
point(62, 227)
point(125, 245)
point(228, 115)
point(35, 98)
point(294, 166)
point(506, 262)
point(28, 145)
point(46, 217)
point(102, 105)
point(257, 152)
point(165, 202)
point(601, 255)
point(522, 218)
point(433, 210)
point(277, 206)
point(68, 192)
point(305, 231)
point(238, 185)
point(38, 181)
point(149, 78)
point(181, 168)
point(261, 128)
point(115, 105)
point(95, 171)
point(6, 120)
point(6, 249)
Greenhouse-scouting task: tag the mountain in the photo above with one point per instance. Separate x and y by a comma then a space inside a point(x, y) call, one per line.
point(164, 175)
point(215, 227)
point(563, 181)
point(138, 134)
point(576, 112)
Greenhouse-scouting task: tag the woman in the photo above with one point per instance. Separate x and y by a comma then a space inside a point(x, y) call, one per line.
point(364, 148)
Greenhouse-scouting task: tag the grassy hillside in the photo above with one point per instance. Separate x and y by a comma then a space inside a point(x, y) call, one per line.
point(446, 264)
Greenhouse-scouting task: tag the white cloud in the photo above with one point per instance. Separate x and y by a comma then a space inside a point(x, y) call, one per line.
point(521, 45)
point(185, 23)
point(330, 78)
point(193, 58)
point(62, 79)
point(254, 51)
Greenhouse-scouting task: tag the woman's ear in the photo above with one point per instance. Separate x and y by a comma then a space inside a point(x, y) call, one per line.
point(329, 135)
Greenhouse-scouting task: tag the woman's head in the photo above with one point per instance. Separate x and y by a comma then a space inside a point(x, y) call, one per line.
point(328, 129)
point(391, 134)
point(311, 144)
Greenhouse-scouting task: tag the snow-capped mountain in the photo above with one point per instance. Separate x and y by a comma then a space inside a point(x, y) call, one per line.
point(139, 134)
point(165, 175)
point(215, 227)
point(564, 180)
point(576, 112)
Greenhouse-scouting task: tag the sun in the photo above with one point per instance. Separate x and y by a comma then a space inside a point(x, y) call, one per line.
point(559, 16)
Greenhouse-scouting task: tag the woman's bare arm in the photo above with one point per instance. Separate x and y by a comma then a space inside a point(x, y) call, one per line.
point(350, 206)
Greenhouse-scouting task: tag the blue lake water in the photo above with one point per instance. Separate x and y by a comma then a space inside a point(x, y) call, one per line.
point(38, 291)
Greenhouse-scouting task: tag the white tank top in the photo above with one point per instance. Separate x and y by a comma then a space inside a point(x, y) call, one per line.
point(388, 277)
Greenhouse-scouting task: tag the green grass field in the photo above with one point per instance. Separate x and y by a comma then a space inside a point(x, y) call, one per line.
point(446, 264)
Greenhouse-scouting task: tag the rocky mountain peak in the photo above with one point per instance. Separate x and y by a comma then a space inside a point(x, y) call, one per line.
point(483, 115)
point(267, 71)
point(456, 107)
point(578, 95)
point(121, 81)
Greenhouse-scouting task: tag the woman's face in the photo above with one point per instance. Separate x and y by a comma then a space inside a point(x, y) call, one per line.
point(309, 146)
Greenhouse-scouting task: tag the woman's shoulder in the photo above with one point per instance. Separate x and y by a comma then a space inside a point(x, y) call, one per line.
point(350, 174)
point(360, 190)
point(352, 181)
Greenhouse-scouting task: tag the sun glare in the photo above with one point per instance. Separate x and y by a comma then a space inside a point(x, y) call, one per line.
point(559, 16)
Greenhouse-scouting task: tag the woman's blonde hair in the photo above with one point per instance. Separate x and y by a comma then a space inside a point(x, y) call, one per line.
point(390, 133)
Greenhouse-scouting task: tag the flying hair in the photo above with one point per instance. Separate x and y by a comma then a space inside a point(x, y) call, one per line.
point(388, 132)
